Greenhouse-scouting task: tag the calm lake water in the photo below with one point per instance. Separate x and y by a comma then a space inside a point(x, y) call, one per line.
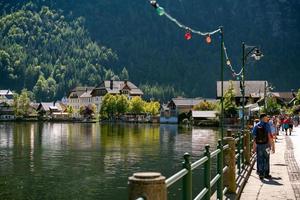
point(92, 161)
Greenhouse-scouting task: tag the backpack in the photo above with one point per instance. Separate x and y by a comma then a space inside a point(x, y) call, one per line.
point(261, 135)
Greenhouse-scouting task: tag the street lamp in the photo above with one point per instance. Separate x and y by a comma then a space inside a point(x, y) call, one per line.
point(254, 52)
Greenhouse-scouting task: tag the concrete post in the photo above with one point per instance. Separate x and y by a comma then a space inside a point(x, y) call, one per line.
point(148, 186)
point(229, 133)
point(229, 158)
point(247, 148)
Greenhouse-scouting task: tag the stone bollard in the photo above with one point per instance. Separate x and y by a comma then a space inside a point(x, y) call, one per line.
point(247, 148)
point(229, 158)
point(147, 186)
point(229, 132)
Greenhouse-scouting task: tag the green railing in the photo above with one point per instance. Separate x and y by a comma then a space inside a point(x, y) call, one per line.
point(186, 174)
point(236, 160)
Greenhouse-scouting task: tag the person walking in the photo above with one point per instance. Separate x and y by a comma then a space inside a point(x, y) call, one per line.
point(285, 125)
point(262, 135)
point(272, 122)
point(290, 124)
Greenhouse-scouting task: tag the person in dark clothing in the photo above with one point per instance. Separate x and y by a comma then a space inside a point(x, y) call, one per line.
point(263, 144)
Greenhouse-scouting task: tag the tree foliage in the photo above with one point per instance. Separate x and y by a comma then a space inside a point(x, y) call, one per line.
point(230, 108)
point(161, 93)
point(152, 107)
point(205, 106)
point(137, 105)
point(108, 106)
point(114, 106)
point(44, 51)
point(88, 111)
point(21, 104)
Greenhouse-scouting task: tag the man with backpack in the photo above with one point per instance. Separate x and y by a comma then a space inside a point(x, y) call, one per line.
point(263, 142)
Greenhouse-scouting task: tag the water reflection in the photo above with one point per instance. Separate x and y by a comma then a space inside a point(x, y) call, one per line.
point(90, 161)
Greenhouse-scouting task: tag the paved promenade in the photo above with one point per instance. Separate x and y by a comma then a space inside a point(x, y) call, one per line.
point(285, 171)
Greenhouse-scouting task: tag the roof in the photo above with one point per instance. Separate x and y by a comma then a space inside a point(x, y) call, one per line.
point(251, 87)
point(6, 92)
point(78, 91)
point(86, 94)
point(118, 86)
point(284, 95)
point(186, 101)
point(48, 106)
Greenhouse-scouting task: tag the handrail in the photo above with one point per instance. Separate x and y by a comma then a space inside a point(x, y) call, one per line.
point(214, 153)
point(199, 162)
point(201, 194)
point(214, 180)
point(206, 161)
point(176, 177)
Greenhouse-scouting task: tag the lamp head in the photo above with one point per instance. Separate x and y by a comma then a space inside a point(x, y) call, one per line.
point(154, 4)
point(257, 55)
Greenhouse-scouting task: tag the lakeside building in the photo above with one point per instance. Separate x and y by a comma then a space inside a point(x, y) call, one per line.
point(6, 96)
point(180, 108)
point(85, 96)
point(6, 105)
point(254, 90)
point(52, 110)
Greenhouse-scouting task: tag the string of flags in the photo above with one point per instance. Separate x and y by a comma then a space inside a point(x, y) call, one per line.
point(188, 35)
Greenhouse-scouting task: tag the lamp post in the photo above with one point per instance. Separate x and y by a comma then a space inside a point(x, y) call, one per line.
point(254, 52)
point(222, 83)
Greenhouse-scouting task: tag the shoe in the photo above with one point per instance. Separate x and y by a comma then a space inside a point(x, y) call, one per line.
point(268, 176)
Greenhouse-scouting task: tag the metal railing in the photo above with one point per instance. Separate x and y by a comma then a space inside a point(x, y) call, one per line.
point(239, 147)
point(186, 173)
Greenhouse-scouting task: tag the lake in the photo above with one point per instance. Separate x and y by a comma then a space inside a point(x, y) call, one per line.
point(92, 160)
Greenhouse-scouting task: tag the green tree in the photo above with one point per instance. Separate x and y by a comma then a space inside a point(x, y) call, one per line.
point(272, 107)
point(205, 105)
point(297, 101)
point(41, 50)
point(137, 105)
point(122, 104)
point(45, 89)
point(70, 110)
point(230, 108)
point(109, 74)
point(108, 107)
point(124, 74)
point(152, 107)
point(21, 104)
point(162, 93)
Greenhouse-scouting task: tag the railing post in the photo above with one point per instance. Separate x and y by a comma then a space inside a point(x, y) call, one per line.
point(220, 171)
point(148, 186)
point(239, 153)
point(247, 148)
point(243, 148)
point(229, 158)
point(207, 172)
point(187, 179)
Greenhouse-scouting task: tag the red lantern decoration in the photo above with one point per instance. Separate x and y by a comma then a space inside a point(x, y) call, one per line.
point(188, 35)
point(208, 39)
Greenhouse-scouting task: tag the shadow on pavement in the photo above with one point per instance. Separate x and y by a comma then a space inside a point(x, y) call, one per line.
point(279, 164)
point(272, 181)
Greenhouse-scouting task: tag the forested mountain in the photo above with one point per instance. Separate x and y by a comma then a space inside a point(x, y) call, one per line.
point(43, 52)
point(152, 48)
